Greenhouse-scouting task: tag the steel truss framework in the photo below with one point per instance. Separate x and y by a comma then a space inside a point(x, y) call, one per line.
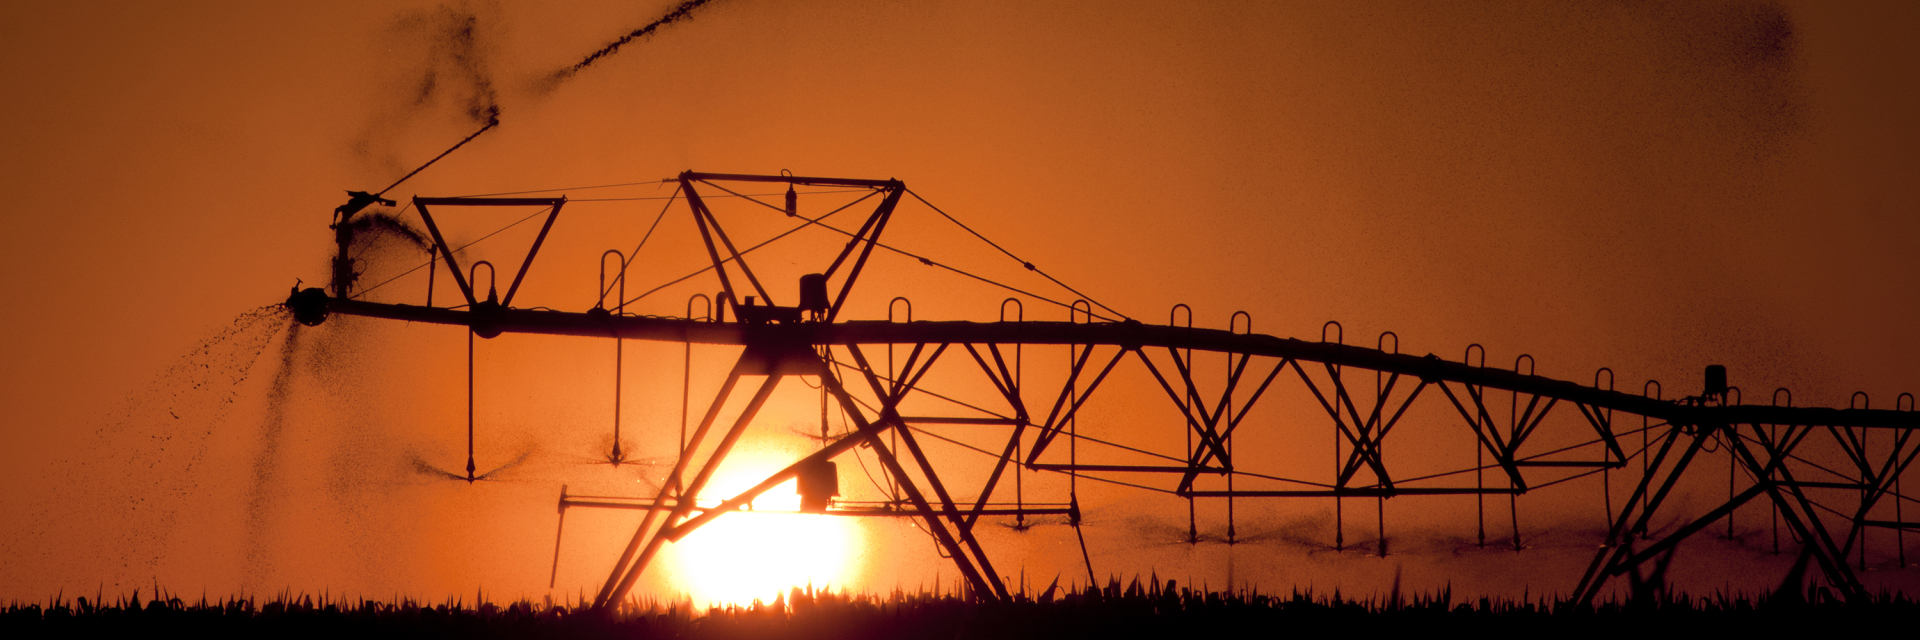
point(1362, 394)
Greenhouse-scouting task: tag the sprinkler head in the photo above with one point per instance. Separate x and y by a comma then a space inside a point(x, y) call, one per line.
point(309, 305)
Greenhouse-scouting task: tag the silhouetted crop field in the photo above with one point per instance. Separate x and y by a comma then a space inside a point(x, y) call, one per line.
point(1136, 609)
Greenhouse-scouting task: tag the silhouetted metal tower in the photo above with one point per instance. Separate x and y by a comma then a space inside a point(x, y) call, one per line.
point(1363, 395)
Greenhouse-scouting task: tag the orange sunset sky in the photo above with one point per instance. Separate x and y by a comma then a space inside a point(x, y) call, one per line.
point(1647, 186)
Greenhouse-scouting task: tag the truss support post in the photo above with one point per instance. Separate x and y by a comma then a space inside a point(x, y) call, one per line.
point(1618, 545)
point(980, 586)
point(961, 524)
point(685, 502)
point(670, 488)
point(1643, 523)
point(1813, 534)
point(890, 414)
point(993, 479)
point(1009, 387)
point(877, 223)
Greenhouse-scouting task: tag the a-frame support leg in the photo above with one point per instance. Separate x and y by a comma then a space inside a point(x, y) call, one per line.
point(659, 517)
point(985, 584)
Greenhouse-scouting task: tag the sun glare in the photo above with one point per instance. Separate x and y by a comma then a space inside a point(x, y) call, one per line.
point(764, 552)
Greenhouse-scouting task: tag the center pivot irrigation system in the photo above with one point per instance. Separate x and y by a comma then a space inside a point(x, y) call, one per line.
point(1355, 396)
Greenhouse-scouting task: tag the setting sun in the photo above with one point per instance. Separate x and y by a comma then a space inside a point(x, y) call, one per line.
point(763, 552)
